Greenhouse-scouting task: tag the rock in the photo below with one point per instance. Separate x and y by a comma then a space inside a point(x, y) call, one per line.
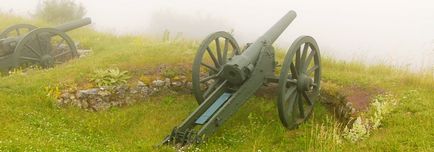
point(98, 99)
point(177, 84)
point(83, 105)
point(158, 83)
point(189, 85)
point(167, 82)
point(104, 93)
point(82, 93)
point(140, 84)
point(133, 91)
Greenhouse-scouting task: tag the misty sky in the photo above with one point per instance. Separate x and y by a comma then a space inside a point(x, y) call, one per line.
point(396, 32)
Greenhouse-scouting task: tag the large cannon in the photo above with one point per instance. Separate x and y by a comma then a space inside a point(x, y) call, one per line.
point(23, 45)
point(224, 78)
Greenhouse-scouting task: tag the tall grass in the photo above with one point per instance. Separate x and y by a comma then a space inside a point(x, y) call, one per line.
point(32, 121)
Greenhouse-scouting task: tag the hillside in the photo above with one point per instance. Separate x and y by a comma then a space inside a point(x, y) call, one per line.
point(31, 120)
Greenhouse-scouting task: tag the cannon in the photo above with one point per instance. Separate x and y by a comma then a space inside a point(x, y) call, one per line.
point(23, 45)
point(224, 77)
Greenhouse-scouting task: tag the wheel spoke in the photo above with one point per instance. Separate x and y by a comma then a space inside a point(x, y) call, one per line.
point(312, 69)
point(225, 51)
point(293, 81)
point(219, 51)
point(209, 67)
point(303, 57)
point(29, 58)
point(33, 50)
point(216, 63)
point(293, 71)
point(308, 99)
point(297, 59)
point(61, 54)
point(300, 105)
point(208, 78)
point(289, 92)
point(60, 43)
point(39, 43)
point(309, 59)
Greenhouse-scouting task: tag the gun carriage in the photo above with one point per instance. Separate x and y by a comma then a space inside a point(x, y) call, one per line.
point(23, 45)
point(224, 78)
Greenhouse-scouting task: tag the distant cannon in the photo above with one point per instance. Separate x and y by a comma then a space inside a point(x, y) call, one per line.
point(23, 45)
point(224, 78)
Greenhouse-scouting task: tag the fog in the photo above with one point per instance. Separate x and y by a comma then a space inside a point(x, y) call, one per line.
point(394, 32)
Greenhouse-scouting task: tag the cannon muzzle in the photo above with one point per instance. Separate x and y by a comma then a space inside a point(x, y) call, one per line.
point(238, 69)
point(74, 24)
point(270, 36)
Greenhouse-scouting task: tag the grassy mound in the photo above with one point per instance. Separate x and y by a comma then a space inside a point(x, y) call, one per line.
point(30, 119)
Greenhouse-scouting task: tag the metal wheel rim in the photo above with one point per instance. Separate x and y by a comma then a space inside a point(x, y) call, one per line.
point(295, 74)
point(220, 58)
point(18, 29)
point(23, 50)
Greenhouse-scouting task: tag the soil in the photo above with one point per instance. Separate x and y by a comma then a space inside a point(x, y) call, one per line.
point(268, 91)
point(360, 97)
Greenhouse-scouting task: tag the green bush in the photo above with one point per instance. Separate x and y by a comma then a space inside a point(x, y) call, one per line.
point(109, 77)
point(59, 11)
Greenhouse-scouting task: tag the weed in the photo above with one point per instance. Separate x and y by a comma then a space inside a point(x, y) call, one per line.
point(325, 136)
point(109, 77)
point(380, 107)
point(52, 91)
point(359, 131)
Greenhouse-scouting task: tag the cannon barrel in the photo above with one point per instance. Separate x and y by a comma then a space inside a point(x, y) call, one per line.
point(240, 66)
point(270, 36)
point(74, 24)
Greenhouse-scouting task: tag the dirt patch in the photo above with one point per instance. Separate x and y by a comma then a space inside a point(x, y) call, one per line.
point(358, 97)
point(346, 102)
point(268, 91)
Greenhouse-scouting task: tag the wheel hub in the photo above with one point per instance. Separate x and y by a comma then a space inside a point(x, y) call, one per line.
point(304, 82)
point(47, 60)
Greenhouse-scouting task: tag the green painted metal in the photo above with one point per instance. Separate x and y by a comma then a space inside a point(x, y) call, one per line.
point(213, 108)
point(217, 73)
point(16, 30)
point(299, 82)
point(24, 45)
point(208, 62)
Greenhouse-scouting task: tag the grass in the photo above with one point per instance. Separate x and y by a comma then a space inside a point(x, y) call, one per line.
point(31, 121)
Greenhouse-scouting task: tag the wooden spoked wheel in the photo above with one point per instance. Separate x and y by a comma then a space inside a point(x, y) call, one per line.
point(212, 54)
point(45, 47)
point(17, 30)
point(299, 82)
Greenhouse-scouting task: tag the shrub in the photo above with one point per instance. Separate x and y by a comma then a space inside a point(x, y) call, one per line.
point(59, 11)
point(359, 131)
point(109, 77)
point(382, 105)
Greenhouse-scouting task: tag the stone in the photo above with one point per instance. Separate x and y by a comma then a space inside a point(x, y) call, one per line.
point(140, 84)
point(177, 84)
point(189, 85)
point(104, 93)
point(158, 83)
point(167, 82)
point(82, 93)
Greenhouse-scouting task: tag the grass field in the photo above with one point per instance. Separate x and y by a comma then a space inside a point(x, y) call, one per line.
point(31, 121)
